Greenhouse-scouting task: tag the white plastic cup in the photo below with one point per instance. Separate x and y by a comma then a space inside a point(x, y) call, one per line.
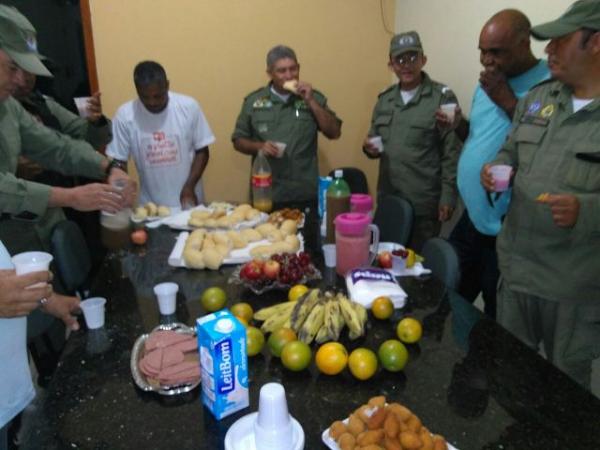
point(329, 253)
point(167, 295)
point(31, 262)
point(93, 312)
point(28, 262)
point(398, 263)
point(501, 174)
point(273, 427)
point(281, 147)
point(449, 109)
point(377, 142)
point(82, 106)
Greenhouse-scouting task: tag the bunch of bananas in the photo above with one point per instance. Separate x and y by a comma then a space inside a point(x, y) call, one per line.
point(318, 316)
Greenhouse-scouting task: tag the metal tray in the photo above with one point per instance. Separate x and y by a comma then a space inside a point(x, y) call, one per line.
point(138, 353)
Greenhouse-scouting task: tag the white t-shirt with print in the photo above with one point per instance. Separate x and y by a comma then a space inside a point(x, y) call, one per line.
point(162, 145)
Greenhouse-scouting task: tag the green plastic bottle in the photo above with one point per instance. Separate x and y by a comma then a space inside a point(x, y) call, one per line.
point(338, 202)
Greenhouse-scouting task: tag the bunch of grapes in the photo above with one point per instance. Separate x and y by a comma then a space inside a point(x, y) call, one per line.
point(293, 267)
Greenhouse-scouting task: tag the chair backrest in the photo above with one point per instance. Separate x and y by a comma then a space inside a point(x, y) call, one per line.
point(394, 217)
point(442, 260)
point(71, 256)
point(356, 179)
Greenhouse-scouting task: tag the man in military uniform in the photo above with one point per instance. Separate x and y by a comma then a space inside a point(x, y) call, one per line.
point(418, 161)
point(549, 245)
point(28, 210)
point(275, 114)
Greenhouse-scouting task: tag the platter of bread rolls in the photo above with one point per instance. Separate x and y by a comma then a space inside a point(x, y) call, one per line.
point(206, 249)
point(217, 218)
point(150, 212)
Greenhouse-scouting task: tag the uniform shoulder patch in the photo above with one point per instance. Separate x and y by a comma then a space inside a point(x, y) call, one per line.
point(253, 93)
point(543, 83)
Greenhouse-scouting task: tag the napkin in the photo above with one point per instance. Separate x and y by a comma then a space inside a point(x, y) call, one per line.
point(365, 285)
point(176, 256)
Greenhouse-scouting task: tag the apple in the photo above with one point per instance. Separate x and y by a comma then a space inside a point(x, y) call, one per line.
point(271, 269)
point(385, 260)
point(252, 270)
point(139, 237)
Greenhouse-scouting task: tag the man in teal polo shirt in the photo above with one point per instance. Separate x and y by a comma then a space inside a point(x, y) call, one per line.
point(549, 245)
point(275, 114)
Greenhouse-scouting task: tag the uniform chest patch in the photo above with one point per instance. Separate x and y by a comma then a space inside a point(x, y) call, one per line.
point(262, 128)
point(534, 108)
point(262, 103)
point(547, 111)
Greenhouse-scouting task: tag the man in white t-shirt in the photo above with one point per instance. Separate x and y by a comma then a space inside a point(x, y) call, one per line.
point(167, 136)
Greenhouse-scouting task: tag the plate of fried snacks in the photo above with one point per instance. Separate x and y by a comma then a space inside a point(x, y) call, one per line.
point(203, 249)
point(219, 218)
point(389, 426)
point(166, 360)
point(281, 215)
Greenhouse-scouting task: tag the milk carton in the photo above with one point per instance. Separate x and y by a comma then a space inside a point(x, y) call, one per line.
point(224, 363)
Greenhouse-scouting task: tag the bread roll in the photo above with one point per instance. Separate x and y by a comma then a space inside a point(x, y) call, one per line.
point(251, 235)
point(237, 239)
point(265, 228)
point(201, 215)
point(140, 213)
point(291, 85)
point(288, 227)
point(164, 211)
point(212, 258)
point(251, 214)
point(193, 258)
point(151, 208)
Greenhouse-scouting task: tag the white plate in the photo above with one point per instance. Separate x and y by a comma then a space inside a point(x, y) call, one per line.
point(415, 271)
point(329, 442)
point(236, 256)
point(180, 221)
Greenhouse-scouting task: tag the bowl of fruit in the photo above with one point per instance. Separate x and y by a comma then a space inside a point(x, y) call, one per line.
point(278, 272)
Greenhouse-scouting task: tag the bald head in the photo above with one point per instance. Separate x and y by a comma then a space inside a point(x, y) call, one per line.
point(504, 43)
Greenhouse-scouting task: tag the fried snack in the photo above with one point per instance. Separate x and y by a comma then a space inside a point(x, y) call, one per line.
point(337, 428)
point(542, 198)
point(140, 213)
point(279, 216)
point(251, 235)
point(163, 211)
point(291, 85)
point(346, 441)
point(377, 425)
point(151, 208)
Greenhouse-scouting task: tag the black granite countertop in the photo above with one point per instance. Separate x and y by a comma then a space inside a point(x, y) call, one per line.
point(467, 379)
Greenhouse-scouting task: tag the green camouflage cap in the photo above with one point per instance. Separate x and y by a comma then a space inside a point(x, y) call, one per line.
point(405, 42)
point(17, 39)
point(581, 14)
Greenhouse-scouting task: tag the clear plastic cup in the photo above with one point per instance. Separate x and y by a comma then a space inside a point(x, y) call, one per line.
point(82, 106)
point(329, 252)
point(377, 142)
point(449, 109)
point(167, 296)
point(398, 263)
point(273, 426)
point(93, 312)
point(281, 147)
point(501, 174)
point(32, 262)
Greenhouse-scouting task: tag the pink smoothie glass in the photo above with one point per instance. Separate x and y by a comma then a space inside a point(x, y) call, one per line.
point(353, 241)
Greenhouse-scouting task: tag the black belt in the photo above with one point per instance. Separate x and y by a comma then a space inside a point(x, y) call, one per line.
point(24, 216)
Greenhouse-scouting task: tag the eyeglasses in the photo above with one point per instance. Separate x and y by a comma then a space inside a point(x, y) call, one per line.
point(406, 59)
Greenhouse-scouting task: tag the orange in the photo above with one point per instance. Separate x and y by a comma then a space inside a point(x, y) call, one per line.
point(279, 338)
point(255, 341)
point(296, 356)
point(409, 330)
point(242, 321)
point(243, 310)
point(296, 292)
point(393, 355)
point(382, 308)
point(331, 358)
point(362, 363)
point(213, 299)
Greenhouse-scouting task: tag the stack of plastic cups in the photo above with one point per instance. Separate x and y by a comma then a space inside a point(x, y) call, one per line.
point(274, 427)
point(361, 203)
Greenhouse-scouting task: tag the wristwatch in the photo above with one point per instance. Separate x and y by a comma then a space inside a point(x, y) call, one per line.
point(112, 164)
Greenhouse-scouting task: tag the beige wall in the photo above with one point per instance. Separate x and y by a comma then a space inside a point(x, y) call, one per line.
point(450, 32)
point(214, 50)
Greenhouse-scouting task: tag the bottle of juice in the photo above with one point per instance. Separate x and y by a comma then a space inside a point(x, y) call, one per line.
point(338, 202)
point(262, 197)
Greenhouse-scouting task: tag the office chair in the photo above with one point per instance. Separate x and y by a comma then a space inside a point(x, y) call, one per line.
point(394, 217)
point(356, 179)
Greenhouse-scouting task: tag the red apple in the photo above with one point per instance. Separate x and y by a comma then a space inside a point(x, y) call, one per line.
point(251, 270)
point(271, 269)
point(139, 237)
point(385, 260)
